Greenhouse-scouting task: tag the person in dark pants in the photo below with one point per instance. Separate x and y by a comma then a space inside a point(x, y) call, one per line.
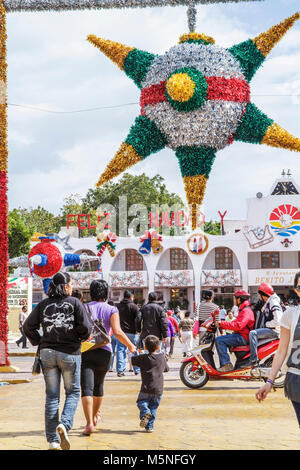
point(22, 318)
point(153, 320)
point(95, 363)
point(152, 366)
point(65, 325)
point(129, 319)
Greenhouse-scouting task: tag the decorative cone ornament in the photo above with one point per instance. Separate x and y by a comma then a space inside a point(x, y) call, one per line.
point(195, 99)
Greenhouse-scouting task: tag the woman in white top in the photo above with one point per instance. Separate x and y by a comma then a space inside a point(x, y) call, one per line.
point(289, 352)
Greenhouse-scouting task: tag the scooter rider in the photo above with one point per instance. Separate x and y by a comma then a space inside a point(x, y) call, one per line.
point(267, 324)
point(241, 326)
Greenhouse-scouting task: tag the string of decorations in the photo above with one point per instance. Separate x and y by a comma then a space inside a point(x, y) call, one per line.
point(46, 5)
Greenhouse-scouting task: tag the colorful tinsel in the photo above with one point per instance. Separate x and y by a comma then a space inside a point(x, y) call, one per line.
point(3, 195)
point(195, 99)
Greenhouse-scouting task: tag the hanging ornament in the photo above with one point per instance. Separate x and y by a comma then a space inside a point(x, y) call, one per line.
point(107, 241)
point(151, 241)
point(195, 99)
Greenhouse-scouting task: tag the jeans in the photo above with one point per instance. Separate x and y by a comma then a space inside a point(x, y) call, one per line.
point(227, 341)
point(23, 339)
point(255, 335)
point(134, 338)
point(148, 403)
point(55, 365)
point(113, 347)
point(296, 406)
point(122, 352)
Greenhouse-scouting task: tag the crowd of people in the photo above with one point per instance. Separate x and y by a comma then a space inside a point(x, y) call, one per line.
point(145, 337)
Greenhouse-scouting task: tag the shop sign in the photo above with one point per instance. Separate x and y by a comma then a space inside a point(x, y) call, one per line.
point(19, 292)
point(275, 277)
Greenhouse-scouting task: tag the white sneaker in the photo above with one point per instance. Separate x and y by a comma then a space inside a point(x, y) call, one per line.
point(54, 446)
point(63, 436)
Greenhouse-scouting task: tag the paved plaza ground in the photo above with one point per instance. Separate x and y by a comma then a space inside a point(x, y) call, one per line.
point(223, 415)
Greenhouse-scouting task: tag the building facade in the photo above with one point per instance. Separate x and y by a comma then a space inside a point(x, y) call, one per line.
point(263, 247)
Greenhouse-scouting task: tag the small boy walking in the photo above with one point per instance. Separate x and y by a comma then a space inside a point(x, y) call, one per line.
point(152, 366)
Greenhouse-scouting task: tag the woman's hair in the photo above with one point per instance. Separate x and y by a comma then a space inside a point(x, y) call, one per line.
point(207, 294)
point(296, 279)
point(99, 290)
point(57, 285)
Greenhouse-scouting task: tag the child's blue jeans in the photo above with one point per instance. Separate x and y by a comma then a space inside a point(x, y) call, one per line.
point(148, 403)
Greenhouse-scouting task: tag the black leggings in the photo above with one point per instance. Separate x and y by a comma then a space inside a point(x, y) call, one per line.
point(94, 366)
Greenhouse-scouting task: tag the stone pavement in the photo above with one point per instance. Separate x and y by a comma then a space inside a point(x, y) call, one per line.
point(222, 415)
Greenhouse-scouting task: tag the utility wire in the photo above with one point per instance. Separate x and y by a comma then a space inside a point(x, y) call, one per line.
point(34, 108)
point(99, 108)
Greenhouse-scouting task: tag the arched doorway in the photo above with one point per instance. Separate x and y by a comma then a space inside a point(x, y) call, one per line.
point(128, 272)
point(174, 279)
point(222, 274)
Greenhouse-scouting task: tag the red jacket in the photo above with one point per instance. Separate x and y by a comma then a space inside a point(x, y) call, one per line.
point(243, 323)
point(174, 323)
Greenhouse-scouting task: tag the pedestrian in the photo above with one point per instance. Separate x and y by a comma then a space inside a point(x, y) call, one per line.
point(153, 320)
point(96, 362)
point(176, 331)
point(78, 294)
point(186, 333)
point(288, 354)
point(152, 365)
point(65, 325)
point(229, 317)
point(267, 321)
point(129, 320)
point(177, 314)
point(222, 313)
point(206, 307)
point(22, 318)
point(166, 346)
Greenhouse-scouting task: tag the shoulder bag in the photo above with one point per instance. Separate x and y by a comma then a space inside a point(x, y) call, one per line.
point(99, 336)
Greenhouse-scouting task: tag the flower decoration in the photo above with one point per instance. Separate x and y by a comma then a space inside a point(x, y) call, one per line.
point(195, 99)
point(151, 241)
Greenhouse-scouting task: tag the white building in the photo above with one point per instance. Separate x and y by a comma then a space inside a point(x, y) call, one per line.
point(265, 246)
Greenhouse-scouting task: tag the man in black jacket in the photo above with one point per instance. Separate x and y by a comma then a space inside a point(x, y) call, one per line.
point(153, 319)
point(129, 320)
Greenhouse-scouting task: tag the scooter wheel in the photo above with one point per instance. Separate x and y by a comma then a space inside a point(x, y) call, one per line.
point(193, 378)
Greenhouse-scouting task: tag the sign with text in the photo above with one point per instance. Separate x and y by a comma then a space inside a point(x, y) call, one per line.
point(275, 277)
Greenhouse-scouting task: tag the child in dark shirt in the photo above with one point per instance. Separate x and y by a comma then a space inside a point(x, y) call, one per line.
point(152, 367)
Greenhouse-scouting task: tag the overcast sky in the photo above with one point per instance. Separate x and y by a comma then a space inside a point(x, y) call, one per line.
point(52, 66)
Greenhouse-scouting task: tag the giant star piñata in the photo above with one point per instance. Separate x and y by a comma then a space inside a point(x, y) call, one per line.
point(195, 99)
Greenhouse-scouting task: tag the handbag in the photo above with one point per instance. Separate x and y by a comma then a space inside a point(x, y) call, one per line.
point(99, 336)
point(37, 365)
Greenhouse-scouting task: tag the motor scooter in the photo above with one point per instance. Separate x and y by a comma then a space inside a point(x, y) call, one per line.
point(199, 366)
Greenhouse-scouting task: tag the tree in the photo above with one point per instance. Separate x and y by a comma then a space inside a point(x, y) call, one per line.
point(139, 190)
point(40, 220)
point(212, 227)
point(19, 235)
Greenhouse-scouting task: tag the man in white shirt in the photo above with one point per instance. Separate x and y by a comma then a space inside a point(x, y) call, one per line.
point(22, 318)
point(267, 324)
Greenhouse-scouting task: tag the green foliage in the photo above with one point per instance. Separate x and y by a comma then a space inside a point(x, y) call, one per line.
point(19, 235)
point(212, 227)
point(40, 220)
